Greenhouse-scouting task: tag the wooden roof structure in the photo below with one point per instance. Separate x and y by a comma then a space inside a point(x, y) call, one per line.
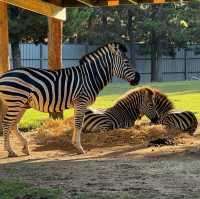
point(55, 10)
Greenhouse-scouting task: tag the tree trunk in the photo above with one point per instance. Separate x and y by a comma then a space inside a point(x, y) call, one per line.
point(130, 34)
point(104, 26)
point(16, 54)
point(155, 65)
point(155, 73)
point(157, 12)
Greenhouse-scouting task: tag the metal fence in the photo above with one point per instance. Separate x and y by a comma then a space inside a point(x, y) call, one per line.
point(184, 66)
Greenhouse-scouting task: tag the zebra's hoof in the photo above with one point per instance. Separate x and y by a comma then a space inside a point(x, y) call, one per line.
point(80, 149)
point(25, 150)
point(12, 154)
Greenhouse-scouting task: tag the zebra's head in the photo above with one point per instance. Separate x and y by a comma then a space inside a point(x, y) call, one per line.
point(162, 103)
point(120, 64)
point(147, 106)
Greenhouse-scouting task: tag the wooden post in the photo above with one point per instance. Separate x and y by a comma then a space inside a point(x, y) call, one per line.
point(55, 44)
point(4, 41)
point(55, 50)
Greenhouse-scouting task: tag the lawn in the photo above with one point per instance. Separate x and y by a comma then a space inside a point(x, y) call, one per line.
point(17, 190)
point(184, 94)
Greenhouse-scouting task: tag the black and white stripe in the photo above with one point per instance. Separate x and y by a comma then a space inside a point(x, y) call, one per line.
point(180, 120)
point(124, 112)
point(54, 91)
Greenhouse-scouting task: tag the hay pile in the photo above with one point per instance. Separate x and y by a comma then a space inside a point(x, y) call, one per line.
point(59, 133)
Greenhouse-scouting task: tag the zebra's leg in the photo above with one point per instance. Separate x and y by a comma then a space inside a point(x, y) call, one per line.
point(76, 137)
point(7, 146)
point(4, 129)
point(9, 121)
point(22, 139)
point(19, 135)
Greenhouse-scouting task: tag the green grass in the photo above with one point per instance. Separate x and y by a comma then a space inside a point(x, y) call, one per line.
point(184, 94)
point(12, 190)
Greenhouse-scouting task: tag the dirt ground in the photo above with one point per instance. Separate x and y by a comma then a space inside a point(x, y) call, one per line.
point(118, 164)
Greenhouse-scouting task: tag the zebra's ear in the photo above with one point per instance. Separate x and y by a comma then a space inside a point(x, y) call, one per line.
point(149, 92)
point(112, 48)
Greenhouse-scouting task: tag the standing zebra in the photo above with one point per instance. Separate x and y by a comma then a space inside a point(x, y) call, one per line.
point(54, 91)
point(124, 112)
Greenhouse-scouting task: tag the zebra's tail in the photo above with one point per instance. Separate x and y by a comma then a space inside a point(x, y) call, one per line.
point(3, 110)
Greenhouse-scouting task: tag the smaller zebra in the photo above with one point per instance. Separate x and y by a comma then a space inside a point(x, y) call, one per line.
point(124, 112)
point(180, 120)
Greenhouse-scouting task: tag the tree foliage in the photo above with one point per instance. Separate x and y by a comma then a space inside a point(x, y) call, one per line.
point(158, 29)
point(25, 26)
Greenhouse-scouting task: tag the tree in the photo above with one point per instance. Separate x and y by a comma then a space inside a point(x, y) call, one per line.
point(75, 27)
point(160, 29)
point(25, 26)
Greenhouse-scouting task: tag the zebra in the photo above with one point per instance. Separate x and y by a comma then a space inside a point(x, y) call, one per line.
point(123, 113)
point(180, 120)
point(170, 118)
point(54, 91)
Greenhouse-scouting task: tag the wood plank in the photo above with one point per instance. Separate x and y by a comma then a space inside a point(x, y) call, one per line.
point(4, 41)
point(55, 51)
point(133, 2)
point(158, 1)
point(87, 2)
point(55, 32)
point(55, 44)
point(40, 7)
point(113, 2)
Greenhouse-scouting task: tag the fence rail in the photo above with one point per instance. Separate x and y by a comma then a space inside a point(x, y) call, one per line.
point(184, 66)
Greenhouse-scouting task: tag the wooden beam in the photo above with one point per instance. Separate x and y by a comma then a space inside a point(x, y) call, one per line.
point(158, 1)
point(4, 41)
point(86, 2)
point(133, 2)
point(113, 2)
point(40, 7)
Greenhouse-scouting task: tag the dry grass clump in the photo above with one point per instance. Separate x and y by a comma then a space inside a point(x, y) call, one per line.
point(59, 132)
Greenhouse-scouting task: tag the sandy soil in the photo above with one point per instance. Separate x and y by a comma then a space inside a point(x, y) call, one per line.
point(116, 167)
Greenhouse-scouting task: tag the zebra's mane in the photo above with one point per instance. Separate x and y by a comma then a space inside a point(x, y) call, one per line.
point(120, 46)
point(133, 92)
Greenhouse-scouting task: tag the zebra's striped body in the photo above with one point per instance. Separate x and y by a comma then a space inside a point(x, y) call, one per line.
point(124, 113)
point(182, 120)
point(54, 91)
point(43, 90)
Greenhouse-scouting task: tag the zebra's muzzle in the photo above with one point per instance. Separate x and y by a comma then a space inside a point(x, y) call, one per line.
point(136, 79)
